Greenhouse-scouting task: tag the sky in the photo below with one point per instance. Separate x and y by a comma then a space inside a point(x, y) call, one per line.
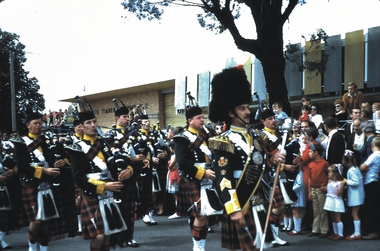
point(80, 47)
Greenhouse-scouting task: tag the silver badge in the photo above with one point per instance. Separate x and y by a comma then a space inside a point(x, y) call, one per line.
point(257, 158)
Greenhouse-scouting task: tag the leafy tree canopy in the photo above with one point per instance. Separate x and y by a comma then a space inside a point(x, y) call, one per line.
point(26, 89)
point(266, 43)
point(318, 41)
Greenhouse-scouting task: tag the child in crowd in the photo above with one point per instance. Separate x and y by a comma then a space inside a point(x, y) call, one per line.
point(280, 115)
point(317, 191)
point(299, 189)
point(303, 141)
point(305, 110)
point(173, 179)
point(334, 201)
point(355, 191)
point(288, 220)
point(370, 216)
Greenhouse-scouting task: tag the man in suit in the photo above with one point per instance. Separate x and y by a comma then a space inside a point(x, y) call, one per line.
point(349, 128)
point(335, 144)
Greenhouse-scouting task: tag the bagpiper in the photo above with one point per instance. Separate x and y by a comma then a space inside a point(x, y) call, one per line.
point(38, 168)
point(95, 171)
point(194, 159)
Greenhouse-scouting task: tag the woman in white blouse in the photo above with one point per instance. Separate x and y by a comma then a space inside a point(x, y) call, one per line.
point(314, 115)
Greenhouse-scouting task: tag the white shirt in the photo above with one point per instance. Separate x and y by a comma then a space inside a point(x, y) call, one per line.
point(317, 119)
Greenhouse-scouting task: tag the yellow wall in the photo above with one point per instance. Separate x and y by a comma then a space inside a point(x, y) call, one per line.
point(354, 58)
point(312, 80)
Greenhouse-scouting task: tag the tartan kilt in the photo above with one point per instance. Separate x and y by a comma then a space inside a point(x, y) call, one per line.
point(230, 236)
point(67, 223)
point(145, 192)
point(91, 219)
point(188, 193)
point(278, 199)
point(30, 205)
point(162, 171)
point(78, 198)
point(127, 208)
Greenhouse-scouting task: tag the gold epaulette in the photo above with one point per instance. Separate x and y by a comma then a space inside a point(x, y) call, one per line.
point(221, 143)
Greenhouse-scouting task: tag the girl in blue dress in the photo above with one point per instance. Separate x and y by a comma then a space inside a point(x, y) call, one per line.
point(300, 204)
point(334, 202)
point(355, 191)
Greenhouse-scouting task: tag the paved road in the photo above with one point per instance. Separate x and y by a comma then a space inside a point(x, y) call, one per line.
point(174, 235)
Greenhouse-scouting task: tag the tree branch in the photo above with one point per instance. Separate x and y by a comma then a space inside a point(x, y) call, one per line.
point(288, 10)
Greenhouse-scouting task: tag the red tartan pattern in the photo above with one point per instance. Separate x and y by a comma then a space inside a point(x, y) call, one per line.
point(188, 193)
point(67, 223)
point(29, 200)
point(278, 199)
point(127, 209)
point(95, 149)
point(91, 219)
point(202, 136)
point(36, 143)
point(78, 198)
point(234, 239)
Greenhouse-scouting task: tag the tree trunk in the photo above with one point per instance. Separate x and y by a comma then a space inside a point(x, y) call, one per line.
point(271, 55)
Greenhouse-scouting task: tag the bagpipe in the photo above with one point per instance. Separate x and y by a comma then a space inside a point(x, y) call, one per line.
point(116, 162)
point(6, 163)
point(47, 208)
point(59, 153)
point(262, 105)
point(286, 128)
point(292, 148)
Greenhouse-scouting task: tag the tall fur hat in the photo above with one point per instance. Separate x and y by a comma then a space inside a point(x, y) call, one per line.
point(121, 111)
point(192, 111)
point(266, 114)
point(28, 114)
point(144, 113)
point(230, 88)
point(31, 115)
point(86, 115)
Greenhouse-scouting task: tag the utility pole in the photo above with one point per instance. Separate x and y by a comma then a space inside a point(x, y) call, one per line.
point(13, 92)
point(12, 83)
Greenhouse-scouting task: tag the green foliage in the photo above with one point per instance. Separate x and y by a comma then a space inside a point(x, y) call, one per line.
point(26, 89)
point(295, 54)
point(268, 18)
point(144, 9)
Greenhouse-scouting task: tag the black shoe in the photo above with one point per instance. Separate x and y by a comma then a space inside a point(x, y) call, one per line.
point(311, 234)
point(133, 243)
point(323, 236)
point(79, 233)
